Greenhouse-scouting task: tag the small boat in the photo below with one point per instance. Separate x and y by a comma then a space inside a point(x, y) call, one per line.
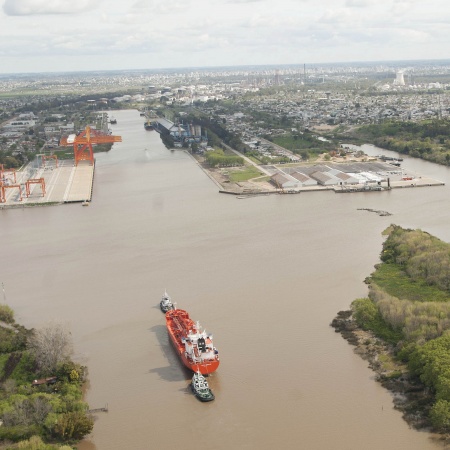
point(113, 121)
point(85, 203)
point(201, 388)
point(166, 303)
point(148, 125)
point(194, 345)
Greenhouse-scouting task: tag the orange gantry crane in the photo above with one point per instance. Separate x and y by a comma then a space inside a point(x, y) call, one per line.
point(3, 188)
point(8, 184)
point(83, 142)
point(4, 172)
point(40, 181)
point(48, 157)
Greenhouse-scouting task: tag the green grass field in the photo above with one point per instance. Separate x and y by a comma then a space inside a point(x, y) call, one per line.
point(245, 173)
point(396, 282)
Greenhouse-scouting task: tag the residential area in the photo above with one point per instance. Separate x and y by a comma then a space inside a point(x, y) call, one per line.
point(275, 117)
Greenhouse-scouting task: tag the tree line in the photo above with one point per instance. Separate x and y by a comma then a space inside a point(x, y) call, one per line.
point(218, 158)
point(52, 409)
point(421, 256)
point(428, 139)
point(418, 325)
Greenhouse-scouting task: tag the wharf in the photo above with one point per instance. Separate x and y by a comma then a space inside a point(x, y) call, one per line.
point(66, 183)
point(416, 182)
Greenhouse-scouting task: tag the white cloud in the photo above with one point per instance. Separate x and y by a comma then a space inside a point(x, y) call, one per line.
point(168, 33)
point(244, 1)
point(160, 6)
point(337, 16)
point(44, 7)
point(359, 3)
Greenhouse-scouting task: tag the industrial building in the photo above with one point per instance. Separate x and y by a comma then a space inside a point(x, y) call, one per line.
point(349, 174)
point(180, 133)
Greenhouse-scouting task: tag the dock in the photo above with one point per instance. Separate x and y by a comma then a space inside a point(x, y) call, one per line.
point(96, 410)
point(65, 183)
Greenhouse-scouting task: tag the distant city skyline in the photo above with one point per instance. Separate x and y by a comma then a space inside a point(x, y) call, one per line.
point(89, 35)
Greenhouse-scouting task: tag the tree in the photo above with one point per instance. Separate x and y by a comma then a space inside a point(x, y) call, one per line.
point(70, 371)
point(440, 414)
point(365, 312)
point(73, 425)
point(50, 346)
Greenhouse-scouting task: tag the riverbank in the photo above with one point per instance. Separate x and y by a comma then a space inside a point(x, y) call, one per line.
point(409, 396)
point(42, 388)
point(28, 205)
point(388, 177)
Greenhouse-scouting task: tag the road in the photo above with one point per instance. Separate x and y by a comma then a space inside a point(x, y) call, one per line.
point(261, 169)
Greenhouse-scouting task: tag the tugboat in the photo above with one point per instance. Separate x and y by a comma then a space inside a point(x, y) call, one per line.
point(195, 347)
point(201, 388)
point(166, 303)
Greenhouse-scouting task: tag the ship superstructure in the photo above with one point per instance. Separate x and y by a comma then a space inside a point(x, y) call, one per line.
point(194, 345)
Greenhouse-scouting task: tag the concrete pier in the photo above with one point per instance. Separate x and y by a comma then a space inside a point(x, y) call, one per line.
point(66, 183)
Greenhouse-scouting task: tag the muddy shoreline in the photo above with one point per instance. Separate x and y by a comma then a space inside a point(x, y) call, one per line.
point(409, 395)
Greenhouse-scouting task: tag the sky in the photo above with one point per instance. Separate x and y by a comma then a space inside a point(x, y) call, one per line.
point(81, 35)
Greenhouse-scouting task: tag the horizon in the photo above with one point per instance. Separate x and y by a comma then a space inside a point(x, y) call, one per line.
point(38, 36)
point(244, 67)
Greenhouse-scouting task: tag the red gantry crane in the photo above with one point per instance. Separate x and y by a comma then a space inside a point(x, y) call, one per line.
point(3, 188)
point(48, 157)
point(31, 181)
point(8, 184)
point(4, 172)
point(83, 142)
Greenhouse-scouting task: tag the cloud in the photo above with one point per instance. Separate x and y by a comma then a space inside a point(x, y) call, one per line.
point(163, 33)
point(243, 1)
point(160, 6)
point(45, 7)
point(359, 3)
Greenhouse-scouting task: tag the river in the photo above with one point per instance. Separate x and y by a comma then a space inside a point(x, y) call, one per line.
point(265, 275)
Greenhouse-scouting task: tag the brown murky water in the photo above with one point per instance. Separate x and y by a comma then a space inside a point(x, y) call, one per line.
point(265, 275)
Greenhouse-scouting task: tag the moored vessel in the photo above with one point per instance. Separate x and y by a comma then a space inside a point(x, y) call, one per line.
point(195, 346)
point(166, 303)
point(148, 125)
point(201, 389)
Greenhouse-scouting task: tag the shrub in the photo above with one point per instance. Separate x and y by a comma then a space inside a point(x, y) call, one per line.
point(18, 433)
point(440, 415)
point(368, 317)
point(6, 314)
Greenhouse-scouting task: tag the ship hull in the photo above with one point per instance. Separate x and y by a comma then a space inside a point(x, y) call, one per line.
point(205, 367)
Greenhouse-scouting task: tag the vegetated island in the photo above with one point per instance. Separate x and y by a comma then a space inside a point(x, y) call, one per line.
point(41, 406)
point(403, 327)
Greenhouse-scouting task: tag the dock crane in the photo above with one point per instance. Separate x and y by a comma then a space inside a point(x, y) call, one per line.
point(83, 142)
point(31, 181)
point(4, 172)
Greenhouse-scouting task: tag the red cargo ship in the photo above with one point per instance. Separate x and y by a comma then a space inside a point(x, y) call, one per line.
point(194, 346)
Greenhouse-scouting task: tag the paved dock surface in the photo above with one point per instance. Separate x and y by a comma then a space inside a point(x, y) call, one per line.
point(63, 184)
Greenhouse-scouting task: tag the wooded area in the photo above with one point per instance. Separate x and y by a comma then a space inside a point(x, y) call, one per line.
point(429, 139)
point(40, 387)
point(410, 307)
